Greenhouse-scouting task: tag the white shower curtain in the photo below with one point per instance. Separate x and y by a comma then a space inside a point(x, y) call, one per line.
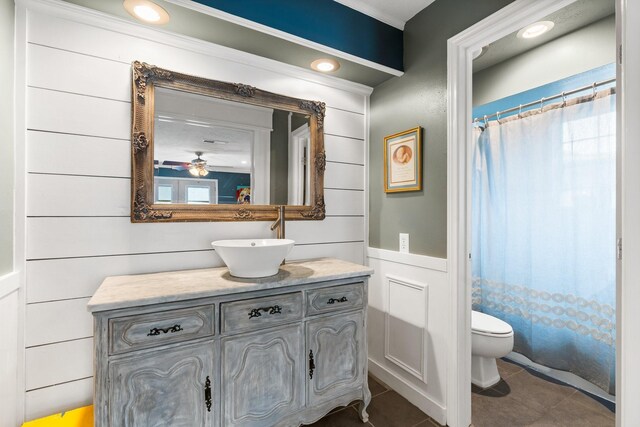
point(544, 249)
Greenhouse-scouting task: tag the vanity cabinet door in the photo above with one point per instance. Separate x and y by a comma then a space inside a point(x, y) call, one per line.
point(335, 356)
point(262, 376)
point(169, 387)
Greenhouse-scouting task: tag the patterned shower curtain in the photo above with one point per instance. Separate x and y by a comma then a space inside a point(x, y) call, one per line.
point(544, 246)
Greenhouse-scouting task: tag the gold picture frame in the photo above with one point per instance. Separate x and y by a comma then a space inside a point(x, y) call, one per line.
point(403, 161)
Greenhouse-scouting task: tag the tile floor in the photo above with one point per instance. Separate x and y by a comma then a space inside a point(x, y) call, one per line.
point(520, 399)
point(387, 409)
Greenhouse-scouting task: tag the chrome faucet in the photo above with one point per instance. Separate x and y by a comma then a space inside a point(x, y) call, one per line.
point(279, 223)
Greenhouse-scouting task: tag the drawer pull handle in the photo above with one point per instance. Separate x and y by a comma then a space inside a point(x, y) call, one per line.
point(207, 394)
point(333, 300)
point(171, 329)
point(256, 312)
point(312, 365)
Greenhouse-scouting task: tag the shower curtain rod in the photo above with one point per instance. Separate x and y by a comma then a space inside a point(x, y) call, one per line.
point(563, 95)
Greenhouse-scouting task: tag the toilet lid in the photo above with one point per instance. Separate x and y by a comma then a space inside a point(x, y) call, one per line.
point(484, 323)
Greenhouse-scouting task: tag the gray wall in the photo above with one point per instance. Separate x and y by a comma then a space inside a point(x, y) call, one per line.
point(582, 50)
point(419, 97)
point(6, 135)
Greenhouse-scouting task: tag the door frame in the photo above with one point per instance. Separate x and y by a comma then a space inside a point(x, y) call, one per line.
point(299, 172)
point(460, 49)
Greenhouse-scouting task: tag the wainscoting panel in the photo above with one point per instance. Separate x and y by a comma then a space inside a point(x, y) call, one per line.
point(78, 229)
point(408, 328)
point(405, 332)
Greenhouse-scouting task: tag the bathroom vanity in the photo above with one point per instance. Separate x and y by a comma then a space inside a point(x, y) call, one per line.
point(202, 348)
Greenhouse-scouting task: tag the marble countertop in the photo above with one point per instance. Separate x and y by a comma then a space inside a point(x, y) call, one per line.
point(145, 289)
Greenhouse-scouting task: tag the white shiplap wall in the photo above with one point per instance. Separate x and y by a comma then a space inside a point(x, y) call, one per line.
point(78, 182)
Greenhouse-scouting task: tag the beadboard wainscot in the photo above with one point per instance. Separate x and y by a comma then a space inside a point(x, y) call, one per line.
point(202, 347)
point(75, 150)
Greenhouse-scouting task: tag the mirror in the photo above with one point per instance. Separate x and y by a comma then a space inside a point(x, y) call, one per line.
point(206, 150)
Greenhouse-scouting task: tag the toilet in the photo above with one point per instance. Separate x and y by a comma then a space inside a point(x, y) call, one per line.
point(490, 338)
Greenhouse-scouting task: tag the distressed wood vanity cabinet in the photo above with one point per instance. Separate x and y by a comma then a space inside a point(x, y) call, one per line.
point(201, 348)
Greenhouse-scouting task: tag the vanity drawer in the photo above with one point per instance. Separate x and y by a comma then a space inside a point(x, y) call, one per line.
point(335, 298)
point(260, 312)
point(163, 327)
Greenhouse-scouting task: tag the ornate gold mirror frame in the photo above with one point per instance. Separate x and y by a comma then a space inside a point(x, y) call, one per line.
point(145, 79)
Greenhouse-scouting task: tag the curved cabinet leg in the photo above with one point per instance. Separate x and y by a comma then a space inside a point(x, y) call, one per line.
point(366, 399)
point(362, 412)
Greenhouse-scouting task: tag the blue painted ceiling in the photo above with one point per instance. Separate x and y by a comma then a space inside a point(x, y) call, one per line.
point(326, 22)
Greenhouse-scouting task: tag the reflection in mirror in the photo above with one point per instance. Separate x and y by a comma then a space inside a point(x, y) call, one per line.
point(214, 151)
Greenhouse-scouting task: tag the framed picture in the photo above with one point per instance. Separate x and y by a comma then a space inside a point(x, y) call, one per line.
point(403, 161)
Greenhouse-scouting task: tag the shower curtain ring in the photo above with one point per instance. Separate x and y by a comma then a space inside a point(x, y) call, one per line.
point(564, 99)
point(498, 116)
point(520, 111)
point(593, 88)
point(541, 103)
point(486, 121)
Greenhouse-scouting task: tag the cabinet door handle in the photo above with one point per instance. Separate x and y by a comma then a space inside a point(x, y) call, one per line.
point(333, 300)
point(157, 331)
point(312, 365)
point(207, 394)
point(256, 312)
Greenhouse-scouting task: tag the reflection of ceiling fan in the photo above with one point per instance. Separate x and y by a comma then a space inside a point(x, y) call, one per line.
point(198, 166)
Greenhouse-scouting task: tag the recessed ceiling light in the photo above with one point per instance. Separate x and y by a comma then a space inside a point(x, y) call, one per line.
point(146, 11)
point(325, 65)
point(536, 29)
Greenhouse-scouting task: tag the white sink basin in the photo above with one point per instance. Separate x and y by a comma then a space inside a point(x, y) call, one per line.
point(253, 257)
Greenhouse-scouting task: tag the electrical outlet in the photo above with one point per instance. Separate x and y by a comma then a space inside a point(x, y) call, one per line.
point(404, 243)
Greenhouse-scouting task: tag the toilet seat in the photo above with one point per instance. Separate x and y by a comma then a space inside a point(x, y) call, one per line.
point(484, 324)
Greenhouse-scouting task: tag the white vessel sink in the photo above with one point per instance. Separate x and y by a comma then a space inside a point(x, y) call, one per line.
point(251, 258)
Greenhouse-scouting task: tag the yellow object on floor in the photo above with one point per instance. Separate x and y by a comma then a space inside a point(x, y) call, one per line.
point(81, 417)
